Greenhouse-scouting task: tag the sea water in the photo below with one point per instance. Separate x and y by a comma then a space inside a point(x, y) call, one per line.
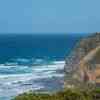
point(33, 62)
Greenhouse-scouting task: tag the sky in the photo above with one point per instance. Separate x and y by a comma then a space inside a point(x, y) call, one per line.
point(49, 16)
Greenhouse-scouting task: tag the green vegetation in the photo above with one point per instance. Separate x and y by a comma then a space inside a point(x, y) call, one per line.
point(69, 94)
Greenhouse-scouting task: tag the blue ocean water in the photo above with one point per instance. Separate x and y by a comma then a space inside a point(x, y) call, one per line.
point(33, 62)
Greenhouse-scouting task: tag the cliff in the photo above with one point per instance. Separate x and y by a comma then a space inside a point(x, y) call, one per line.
point(79, 67)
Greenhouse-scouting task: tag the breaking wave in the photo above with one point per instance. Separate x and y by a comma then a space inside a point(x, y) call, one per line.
point(18, 77)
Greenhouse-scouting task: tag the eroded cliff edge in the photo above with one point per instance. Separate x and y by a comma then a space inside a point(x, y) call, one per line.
point(79, 71)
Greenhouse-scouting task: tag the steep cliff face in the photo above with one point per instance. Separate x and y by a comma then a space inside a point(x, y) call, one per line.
point(73, 74)
point(90, 66)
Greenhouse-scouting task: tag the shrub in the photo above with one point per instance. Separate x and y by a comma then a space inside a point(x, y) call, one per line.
point(69, 94)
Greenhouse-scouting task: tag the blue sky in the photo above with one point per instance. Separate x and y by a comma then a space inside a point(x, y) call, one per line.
point(39, 16)
point(15, 16)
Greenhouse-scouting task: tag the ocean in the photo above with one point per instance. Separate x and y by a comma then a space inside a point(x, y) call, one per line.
point(33, 62)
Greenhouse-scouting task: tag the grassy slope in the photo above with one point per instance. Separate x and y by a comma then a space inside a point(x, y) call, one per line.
point(71, 94)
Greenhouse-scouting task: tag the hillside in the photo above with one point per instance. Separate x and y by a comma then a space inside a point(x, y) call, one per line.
point(88, 49)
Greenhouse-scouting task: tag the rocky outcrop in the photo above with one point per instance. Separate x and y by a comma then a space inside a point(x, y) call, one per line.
point(80, 58)
point(90, 66)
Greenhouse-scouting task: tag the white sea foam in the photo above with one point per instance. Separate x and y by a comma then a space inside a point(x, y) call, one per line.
point(7, 66)
point(54, 66)
point(21, 60)
point(39, 60)
point(3, 66)
point(25, 81)
point(59, 62)
point(37, 71)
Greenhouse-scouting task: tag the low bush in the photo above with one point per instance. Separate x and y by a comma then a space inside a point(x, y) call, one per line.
point(69, 94)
